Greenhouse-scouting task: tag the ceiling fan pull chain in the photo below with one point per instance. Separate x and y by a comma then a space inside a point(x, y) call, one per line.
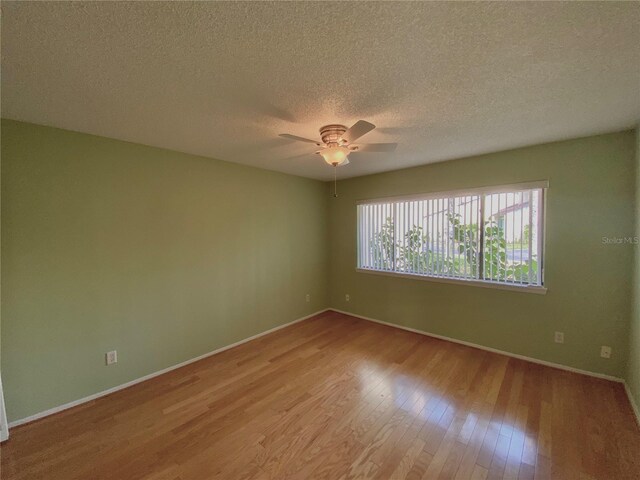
point(335, 181)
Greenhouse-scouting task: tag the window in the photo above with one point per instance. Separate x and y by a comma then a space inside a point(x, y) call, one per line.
point(489, 235)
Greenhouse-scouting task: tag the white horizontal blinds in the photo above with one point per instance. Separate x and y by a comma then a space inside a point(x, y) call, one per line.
point(376, 236)
point(411, 238)
point(438, 237)
point(419, 219)
point(466, 235)
point(437, 248)
point(452, 270)
point(441, 236)
point(378, 241)
point(441, 252)
point(359, 237)
point(376, 246)
point(389, 234)
point(511, 237)
point(368, 254)
point(377, 232)
point(428, 219)
point(461, 237)
point(399, 243)
point(535, 237)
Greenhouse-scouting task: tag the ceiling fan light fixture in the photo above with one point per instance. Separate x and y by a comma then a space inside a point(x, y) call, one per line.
point(335, 154)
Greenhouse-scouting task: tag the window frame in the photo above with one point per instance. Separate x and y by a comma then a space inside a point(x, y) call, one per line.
point(541, 185)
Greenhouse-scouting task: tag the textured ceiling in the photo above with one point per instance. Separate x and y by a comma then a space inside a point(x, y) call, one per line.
point(444, 80)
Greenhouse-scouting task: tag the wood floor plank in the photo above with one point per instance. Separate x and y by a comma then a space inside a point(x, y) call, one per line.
point(338, 397)
point(406, 464)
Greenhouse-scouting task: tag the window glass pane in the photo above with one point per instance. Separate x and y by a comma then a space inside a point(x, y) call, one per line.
point(464, 232)
point(376, 244)
point(511, 237)
point(449, 237)
point(411, 248)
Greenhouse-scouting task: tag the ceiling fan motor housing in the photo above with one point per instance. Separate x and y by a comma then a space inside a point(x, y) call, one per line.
point(332, 134)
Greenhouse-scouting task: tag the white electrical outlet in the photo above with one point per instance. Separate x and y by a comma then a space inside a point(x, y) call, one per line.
point(308, 298)
point(111, 357)
point(605, 352)
point(559, 337)
point(347, 297)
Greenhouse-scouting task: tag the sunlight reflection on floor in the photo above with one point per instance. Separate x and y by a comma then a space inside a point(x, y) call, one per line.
point(428, 404)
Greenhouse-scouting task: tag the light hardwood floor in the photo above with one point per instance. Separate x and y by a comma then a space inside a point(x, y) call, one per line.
point(336, 397)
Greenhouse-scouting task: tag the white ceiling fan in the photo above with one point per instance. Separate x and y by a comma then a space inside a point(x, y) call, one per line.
point(337, 142)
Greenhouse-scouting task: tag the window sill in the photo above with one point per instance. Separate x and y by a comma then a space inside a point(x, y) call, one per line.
point(458, 281)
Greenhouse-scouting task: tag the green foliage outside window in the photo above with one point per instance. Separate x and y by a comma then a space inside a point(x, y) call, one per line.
point(414, 254)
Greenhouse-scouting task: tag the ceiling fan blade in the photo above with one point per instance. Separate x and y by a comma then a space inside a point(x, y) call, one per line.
point(308, 155)
point(376, 147)
point(300, 139)
point(357, 130)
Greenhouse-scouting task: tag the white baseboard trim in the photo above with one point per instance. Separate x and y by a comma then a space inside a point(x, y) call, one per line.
point(632, 401)
point(488, 349)
point(103, 393)
point(4, 426)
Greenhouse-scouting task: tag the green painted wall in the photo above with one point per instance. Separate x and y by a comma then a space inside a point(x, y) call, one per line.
point(165, 256)
point(161, 255)
point(591, 196)
point(633, 366)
